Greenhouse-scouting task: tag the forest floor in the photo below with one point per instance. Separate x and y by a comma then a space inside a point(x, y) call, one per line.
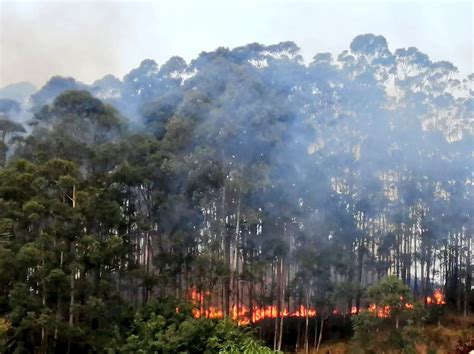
point(455, 335)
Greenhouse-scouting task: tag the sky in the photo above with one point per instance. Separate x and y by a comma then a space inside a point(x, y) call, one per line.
point(89, 39)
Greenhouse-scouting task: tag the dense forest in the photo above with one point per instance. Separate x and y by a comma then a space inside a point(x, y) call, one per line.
point(247, 184)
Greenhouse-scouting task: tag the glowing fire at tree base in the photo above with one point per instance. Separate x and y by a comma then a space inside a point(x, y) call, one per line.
point(243, 316)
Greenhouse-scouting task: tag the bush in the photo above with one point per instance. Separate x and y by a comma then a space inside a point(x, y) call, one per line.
point(372, 333)
point(165, 331)
point(365, 326)
point(4, 326)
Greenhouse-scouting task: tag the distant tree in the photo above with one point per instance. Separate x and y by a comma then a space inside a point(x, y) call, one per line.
point(8, 130)
point(53, 88)
point(71, 127)
point(8, 106)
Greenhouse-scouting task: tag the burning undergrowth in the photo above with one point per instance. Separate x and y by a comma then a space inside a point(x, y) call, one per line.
point(245, 315)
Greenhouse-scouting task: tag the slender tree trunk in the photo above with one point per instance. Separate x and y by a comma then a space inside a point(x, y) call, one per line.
point(275, 337)
point(415, 288)
point(306, 330)
point(350, 278)
point(71, 306)
point(397, 262)
point(226, 239)
point(251, 287)
point(320, 333)
point(459, 288)
point(282, 303)
point(468, 276)
point(315, 331)
point(298, 335)
point(235, 272)
point(72, 280)
point(43, 303)
point(58, 310)
point(427, 279)
point(422, 279)
point(359, 273)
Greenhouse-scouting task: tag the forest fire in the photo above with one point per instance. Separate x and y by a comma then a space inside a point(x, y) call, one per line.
point(243, 316)
point(437, 299)
point(261, 194)
point(382, 312)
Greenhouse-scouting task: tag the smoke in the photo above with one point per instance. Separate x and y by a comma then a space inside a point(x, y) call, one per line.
point(86, 40)
point(89, 39)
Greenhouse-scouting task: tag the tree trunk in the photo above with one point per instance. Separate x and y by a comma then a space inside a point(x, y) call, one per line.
point(468, 276)
point(235, 270)
point(275, 336)
point(315, 331)
point(359, 273)
point(71, 307)
point(226, 240)
point(43, 303)
point(298, 335)
point(282, 304)
point(58, 310)
point(306, 329)
point(320, 333)
point(72, 280)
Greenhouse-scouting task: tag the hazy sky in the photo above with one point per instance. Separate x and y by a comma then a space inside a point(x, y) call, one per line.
point(88, 39)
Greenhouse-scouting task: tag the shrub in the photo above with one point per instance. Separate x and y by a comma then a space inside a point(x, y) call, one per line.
point(165, 331)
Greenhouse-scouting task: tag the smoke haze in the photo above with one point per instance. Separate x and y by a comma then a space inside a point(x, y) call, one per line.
point(87, 40)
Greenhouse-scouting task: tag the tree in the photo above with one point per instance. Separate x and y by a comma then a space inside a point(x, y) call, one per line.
point(9, 106)
point(53, 88)
point(390, 293)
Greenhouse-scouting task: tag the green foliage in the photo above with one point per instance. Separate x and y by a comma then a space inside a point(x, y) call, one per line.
point(434, 314)
point(391, 292)
point(402, 341)
point(365, 326)
point(371, 332)
point(176, 332)
point(370, 335)
point(4, 327)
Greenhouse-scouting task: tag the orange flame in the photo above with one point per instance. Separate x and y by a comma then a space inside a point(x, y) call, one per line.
point(381, 312)
point(439, 297)
point(436, 299)
point(242, 314)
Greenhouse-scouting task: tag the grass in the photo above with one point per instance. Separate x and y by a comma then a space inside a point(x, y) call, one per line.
point(455, 335)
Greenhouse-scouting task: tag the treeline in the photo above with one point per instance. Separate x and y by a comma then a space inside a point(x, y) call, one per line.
point(245, 176)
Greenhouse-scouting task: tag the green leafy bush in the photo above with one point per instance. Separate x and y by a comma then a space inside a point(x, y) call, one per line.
point(165, 331)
